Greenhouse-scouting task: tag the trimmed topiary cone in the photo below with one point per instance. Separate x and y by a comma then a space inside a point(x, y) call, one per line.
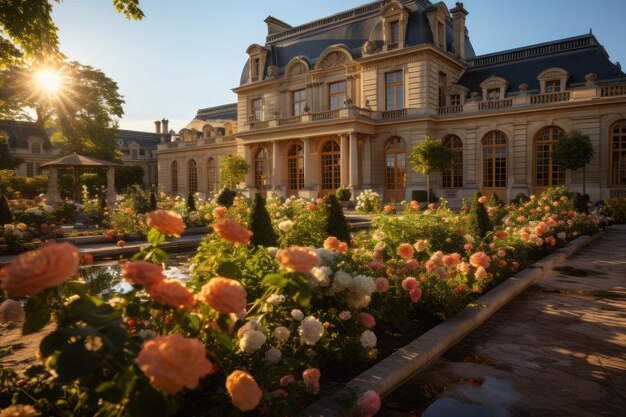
point(336, 224)
point(191, 202)
point(478, 222)
point(153, 201)
point(494, 200)
point(6, 216)
point(226, 197)
point(261, 224)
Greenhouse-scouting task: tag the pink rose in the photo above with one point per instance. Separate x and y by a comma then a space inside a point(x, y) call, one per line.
point(297, 259)
point(171, 293)
point(172, 362)
point(375, 265)
point(34, 271)
point(409, 283)
point(142, 273)
point(224, 295)
point(367, 320)
point(286, 380)
point(167, 222)
point(311, 379)
point(412, 264)
point(232, 231)
point(479, 259)
point(368, 404)
point(382, 284)
point(415, 294)
point(244, 392)
point(220, 212)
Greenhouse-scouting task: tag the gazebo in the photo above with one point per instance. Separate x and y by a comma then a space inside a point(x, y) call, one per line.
point(79, 162)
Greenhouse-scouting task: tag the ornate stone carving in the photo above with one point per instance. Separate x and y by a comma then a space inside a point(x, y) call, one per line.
point(333, 59)
point(368, 48)
point(591, 78)
point(523, 87)
point(297, 69)
point(272, 71)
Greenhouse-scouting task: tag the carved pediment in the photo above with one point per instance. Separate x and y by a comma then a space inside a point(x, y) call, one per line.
point(553, 74)
point(334, 59)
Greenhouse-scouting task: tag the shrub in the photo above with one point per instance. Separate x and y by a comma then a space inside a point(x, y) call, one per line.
point(343, 194)
point(336, 224)
point(191, 202)
point(368, 202)
point(581, 202)
point(226, 197)
point(66, 185)
point(135, 197)
point(64, 210)
point(94, 182)
point(232, 170)
point(5, 211)
point(127, 176)
point(615, 208)
point(520, 198)
point(153, 201)
point(419, 195)
point(494, 200)
point(478, 222)
point(261, 224)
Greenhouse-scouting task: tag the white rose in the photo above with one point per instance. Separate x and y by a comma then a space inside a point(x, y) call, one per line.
point(345, 315)
point(285, 226)
point(272, 251)
point(379, 235)
point(275, 299)
point(379, 246)
point(310, 330)
point(321, 275)
point(281, 333)
point(273, 355)
point(324, 256)
point(297, 314)
point(368, 339)
point(251, 341)
point(146, 334)
point(363, 285)
point(341, 281)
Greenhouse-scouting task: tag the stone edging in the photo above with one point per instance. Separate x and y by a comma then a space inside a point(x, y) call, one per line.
point(403, 364)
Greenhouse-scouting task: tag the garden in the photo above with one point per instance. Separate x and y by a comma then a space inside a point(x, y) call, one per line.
point(282, 305)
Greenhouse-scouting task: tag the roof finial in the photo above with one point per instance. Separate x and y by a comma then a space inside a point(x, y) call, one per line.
point(590, 31)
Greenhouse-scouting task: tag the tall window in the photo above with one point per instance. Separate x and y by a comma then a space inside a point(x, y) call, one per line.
point(453, 178)
point(211, 175)
point(259, 168)
point(295, 167)
point(394, 91)
point(174, 177)
point(553, 86)
point(298, 102)
point(257, 109)
point(493, 94)
point(331, 171)
point(133, 153)
point(394, 35)
point(547, 173)
point(192, 176)
point(395, 164)
point(336, 95)
point(29, 169)
point(494, 160)
point(35, 148)
point(618, 154)
point(455, 99)
point(443, 85)
point(256, 69)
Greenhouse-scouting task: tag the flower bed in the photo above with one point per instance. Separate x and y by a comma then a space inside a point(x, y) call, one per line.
point(260, 329)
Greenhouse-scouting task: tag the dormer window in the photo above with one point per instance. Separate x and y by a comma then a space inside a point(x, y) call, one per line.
point(494, 88)
point(256, 69)
point(256, 63)
point(35, 148)
point(553, 86)
point(133, 154)
point(552, 80)
point(493, 94)
point(455, 99)
point(395, 18)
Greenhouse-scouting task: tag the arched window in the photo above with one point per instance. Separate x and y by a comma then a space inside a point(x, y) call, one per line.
point(453, 178)
point(174, 177)
point(192, 176)
point(395, 169)
point(547, 173)
point(331, 170)
point(618, 154)
point(295, 168)
point(211, 175)
point(260, 159)
point(494, 163)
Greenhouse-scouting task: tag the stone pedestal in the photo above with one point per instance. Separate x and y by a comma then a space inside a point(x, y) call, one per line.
point(111, 195)
point(53, 194)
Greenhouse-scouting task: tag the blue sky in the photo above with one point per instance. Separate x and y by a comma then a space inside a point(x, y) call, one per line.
point(188, 54)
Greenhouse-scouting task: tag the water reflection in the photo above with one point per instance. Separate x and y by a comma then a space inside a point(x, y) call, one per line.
point(105, 279)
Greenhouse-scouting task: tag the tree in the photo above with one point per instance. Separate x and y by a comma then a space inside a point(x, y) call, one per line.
point(478, 222)
point(7, 161)
point(336, 224)
point(153, 200)
point(573, 151)
point(261, 224)
point(191, 202)
point(233, 170)
point(6, 216)
point(431, 155)
point(127, 176)
point(29, 31)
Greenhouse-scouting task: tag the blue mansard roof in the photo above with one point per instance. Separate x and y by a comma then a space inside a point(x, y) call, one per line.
point(146, 140)
point(19, 132)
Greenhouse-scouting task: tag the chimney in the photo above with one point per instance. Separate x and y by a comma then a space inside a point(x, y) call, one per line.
point(275, 25)
point(458, 27)
point(165, 122)
point(157, 127)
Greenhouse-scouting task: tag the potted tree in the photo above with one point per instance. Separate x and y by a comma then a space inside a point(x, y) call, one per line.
point(343, 194)
point(429, 156)
point(573, 151)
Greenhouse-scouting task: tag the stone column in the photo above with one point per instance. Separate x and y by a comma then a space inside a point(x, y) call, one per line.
point(367, 163)
point(274, 172)
point(250, 175)
point(306, 161)
point(111, 196)
point(344, 161)
point(53, 191)
point(354, 163)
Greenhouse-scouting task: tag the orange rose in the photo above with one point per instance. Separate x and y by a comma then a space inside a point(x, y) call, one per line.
point(244, 392)
point(297, 259)
point(482, 199)
point(224, 295)
point(167, 222)
point(172, 293)
point(173, 362)
point(405, 251)
point(34, 271)
point(232, 231)
point(220, 212)
point(142, 273)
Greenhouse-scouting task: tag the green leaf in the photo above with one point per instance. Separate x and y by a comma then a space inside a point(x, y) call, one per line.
point(150, 403)
point(51, 343)
point(38, 314)
point(155, 238)
point(228, 270)
point(75, 361)
point(78, 287)
point(275, 281)
point(224, 339)
point(109, 391)
point(115, 337)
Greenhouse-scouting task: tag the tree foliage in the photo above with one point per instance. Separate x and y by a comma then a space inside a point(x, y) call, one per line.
point(7, 161)
point(431, 155)
point(6, 216)
point(127, 176)
point(233, 170)
point(478, 222)
point(336, 224)
point(573, 151)
point(191, 202)
point(261, 224)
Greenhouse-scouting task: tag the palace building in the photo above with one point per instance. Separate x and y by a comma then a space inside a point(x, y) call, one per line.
point(341, 101)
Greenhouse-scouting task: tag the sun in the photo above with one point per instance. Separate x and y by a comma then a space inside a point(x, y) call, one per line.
point(49, 81)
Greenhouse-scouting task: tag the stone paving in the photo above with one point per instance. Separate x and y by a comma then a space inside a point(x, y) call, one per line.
point(558, 349)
